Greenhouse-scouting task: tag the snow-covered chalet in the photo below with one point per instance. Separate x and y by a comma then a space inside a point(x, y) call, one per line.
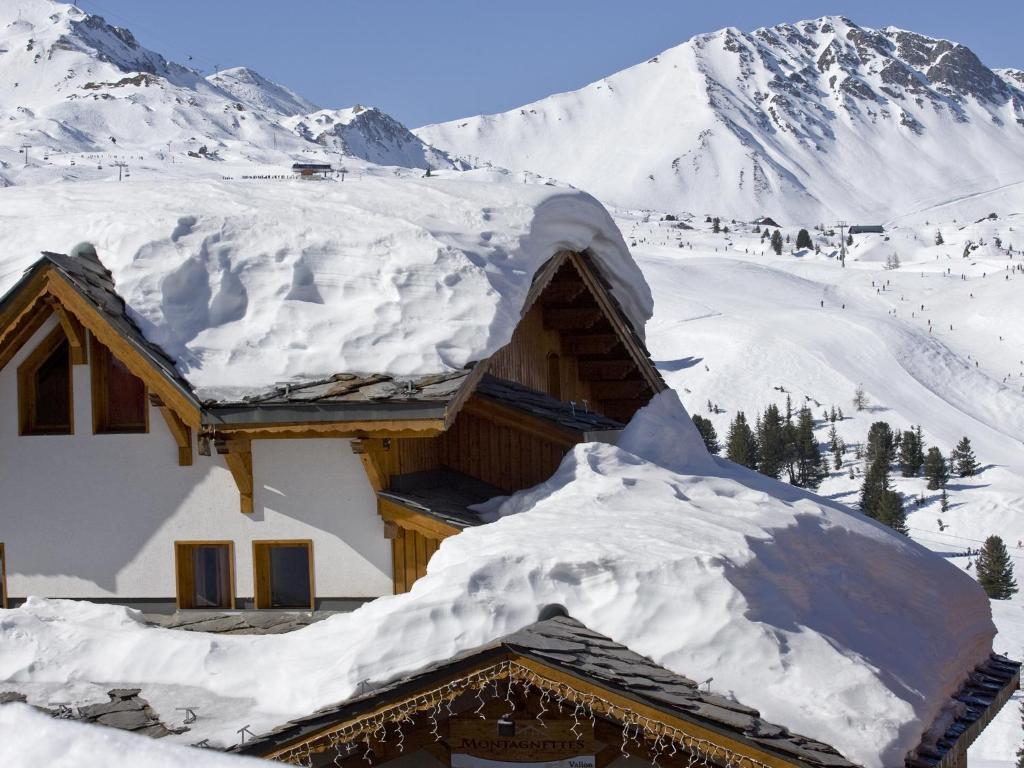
point(325, 485)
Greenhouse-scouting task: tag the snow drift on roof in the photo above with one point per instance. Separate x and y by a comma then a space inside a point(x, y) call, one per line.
point(31, 739)
point(246, 284)
point(825, 621)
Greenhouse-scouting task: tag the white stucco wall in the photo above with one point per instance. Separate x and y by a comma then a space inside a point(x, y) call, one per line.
point(97, 515)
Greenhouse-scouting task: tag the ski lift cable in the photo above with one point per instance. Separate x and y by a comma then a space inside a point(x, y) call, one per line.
point(951, 535)
point(118, 18)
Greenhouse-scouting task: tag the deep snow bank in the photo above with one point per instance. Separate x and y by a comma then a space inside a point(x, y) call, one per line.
point(29, 739)
point(828, 623)
point(248, 284)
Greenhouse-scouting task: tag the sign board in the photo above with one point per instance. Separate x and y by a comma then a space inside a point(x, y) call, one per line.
point(478, 744)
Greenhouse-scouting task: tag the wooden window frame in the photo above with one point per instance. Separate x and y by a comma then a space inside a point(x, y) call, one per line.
point(100, 356)
point(261, 572)
point(3, 576)
point(26, 385)
point(183, 580)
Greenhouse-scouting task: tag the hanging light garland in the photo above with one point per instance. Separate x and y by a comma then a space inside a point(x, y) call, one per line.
point(640, 733)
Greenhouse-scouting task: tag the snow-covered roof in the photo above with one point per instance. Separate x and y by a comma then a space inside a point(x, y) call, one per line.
point(31, 739)
point(246, 284)
point(825, 621)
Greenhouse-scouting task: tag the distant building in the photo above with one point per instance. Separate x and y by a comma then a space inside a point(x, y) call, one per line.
point(309, 170)
point(866, 229)
point(766, 221)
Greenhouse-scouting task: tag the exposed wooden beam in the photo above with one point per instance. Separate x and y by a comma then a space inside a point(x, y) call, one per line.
point(74, 331)
point(571, 318)
point(180, 431)
point(606, 370)
point(238, 456)
point(411, 520)
point(186, 408)
point(359, 429)
point(522, 422)
point(589, 343)
point(374, 473)
point(618, 390)
point(21, 328)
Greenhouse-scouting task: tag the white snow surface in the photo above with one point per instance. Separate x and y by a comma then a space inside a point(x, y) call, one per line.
point(796, 121)
point(29, 739)
point(247, 284)
point(257, 92)
point(709, 570)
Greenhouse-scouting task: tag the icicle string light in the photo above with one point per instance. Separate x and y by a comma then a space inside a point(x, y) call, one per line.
point(638, 731)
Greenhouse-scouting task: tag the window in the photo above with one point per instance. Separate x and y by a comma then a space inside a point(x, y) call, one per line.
point(283, 573)
point(44, 388)
point(205, 574)
point(3, 578)
point(119, 403)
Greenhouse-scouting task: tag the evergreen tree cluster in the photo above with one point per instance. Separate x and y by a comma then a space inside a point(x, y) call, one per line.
point(878, 499)
point(777, 443)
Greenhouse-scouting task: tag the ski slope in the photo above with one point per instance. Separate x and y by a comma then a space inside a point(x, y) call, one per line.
point(733, 321)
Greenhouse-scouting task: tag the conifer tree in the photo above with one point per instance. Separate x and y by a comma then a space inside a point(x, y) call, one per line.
point(771, 443)
point(811, 469)
point(860, 398)
point(777, 242)
point(891, 512)
point(837, 447)
point(995, 570)
point(880, 445)
point(707, 433)
point(938, 238)
point(944, 501)
point(935, 469)
point(803, 239)
point(911, 454)
point(963, 457)
point(741, 445)
point(716, 225)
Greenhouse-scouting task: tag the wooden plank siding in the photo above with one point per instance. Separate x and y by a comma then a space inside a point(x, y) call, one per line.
point(527, 360)
point(410, 552)
point(499, 453)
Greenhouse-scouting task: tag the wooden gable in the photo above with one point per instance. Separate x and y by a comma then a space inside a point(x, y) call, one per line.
point(574, 343)
point(45, 292)
point(534, 696)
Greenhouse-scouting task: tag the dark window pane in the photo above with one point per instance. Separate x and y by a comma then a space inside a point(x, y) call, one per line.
point(126, 398)
point(289, 576)
point(52, 381)
point(212, 579)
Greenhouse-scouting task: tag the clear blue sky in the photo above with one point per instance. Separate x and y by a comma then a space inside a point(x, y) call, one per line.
point(426, 61)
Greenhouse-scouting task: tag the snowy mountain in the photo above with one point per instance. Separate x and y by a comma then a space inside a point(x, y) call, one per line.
point(256, 92)
point(803, 122)
point(371, 135)
point(71, 84)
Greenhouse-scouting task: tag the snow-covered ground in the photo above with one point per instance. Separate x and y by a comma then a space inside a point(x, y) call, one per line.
point(733, 322)
point(813, 648)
